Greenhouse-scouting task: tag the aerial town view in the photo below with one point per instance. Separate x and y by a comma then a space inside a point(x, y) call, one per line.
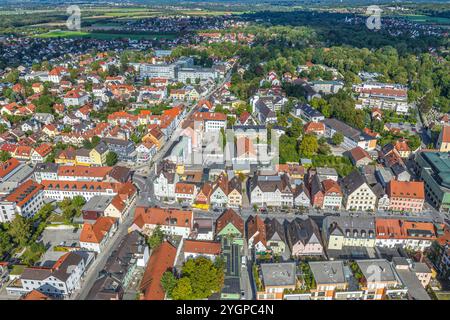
point(225, 150)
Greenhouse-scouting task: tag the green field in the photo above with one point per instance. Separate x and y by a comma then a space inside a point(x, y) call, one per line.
point(425, 19)
point(102, 36)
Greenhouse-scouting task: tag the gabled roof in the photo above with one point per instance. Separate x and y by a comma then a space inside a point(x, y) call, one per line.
point(229, 216)
point(256, 226)
point(94, 233)
point(359, 153)
point(352, 182)
point(161, 260)
point(304, 231)
point(274, 230)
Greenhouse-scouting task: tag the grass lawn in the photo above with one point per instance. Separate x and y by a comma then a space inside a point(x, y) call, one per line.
point(55, 218)
point(17, 269)
point(102, 36)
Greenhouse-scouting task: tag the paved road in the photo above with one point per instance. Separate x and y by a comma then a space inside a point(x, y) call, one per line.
point(99, 263)
point(144, 181)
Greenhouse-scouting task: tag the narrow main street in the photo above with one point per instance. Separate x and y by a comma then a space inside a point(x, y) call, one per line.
point(99, 263)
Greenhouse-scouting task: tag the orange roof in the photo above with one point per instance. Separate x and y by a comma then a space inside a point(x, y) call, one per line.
point(126, 190)
point(94, 233)
point(401, 145)
point(314, 127)
point(35, 295)
point(44, 149)
point(446, 134)
point(210, 116)
point(23, 151)
point(118, 203)
point(371, 133)
point(184, 188)
point(50, 127)
point(445, 238)
point(162, 216)
point(204, 102)
point(331, 186)
point(202, 247)
point(73, 94)
point(57, 71)
point(84, 186)
point(7, 166)
point(83, 171)
point(24, 192)
point(229, 216)
point(161, 260)
point(359, 153)
point(386, 92)
point(254, 225)
point(406, 189)
point(401, 229)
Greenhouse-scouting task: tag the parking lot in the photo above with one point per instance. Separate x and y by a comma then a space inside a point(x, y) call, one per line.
point(67, 236)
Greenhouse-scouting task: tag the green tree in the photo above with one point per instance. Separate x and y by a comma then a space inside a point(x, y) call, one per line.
point(309, 145)
point(337, 138)
point(111, 158)
point(5, 243)
point(19, 230)
point(4, 156)
point(168, 282)
point(205, 277)
point(183, 290)
point(156, 238)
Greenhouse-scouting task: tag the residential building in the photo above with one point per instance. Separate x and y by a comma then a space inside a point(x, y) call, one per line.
point(406, 195)
point(93, 237)
point(230, 225)
point(275, 236)
point(352, 137)
point(171, 221)
point(271, 191)
point(329, 277)
point(304, 238)
point(274, 279)
point(26, 200)
point(256, 234)
point(61, 280)
point(161, 260)
point(413, 235)
point(348, 231)
point(201, 248)
point(358, 195)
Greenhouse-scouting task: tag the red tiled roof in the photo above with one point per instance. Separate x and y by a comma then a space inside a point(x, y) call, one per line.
point(161, 260)
point(229, 216)
point(162, 216)
point(359, 153)
point(406, 189)
point(446, 134)
point(209, 116)
point(24, 192)
point(83, 171)
point(254, 225)
point(184, 188)
point(7, 166)
point(94, 233)
point(202, 247)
